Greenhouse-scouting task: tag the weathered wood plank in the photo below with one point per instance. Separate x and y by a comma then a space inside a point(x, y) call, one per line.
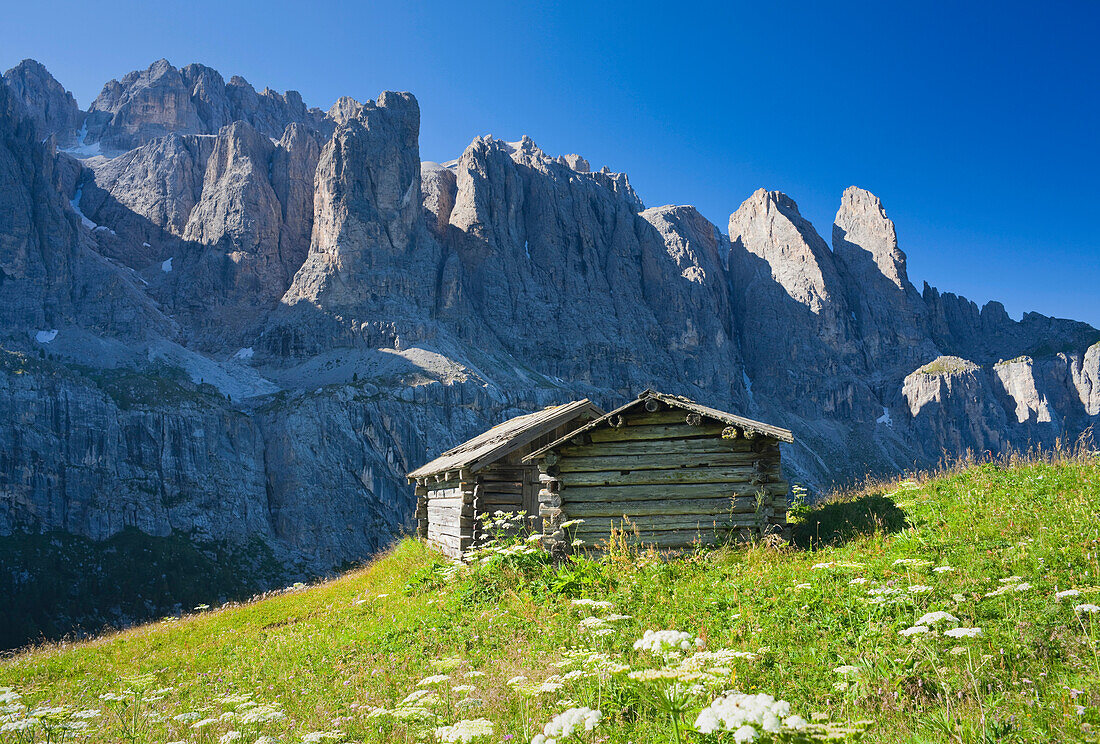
point(452, 547)
point(668, 447)
point(499, 484)
point(449, 514)
point(672, 538)
point(451, 530)
point(728, 474)
point(671, 431)
point(671, 460)
point(444, 493)
point(667, 416)
point(701, 522)
point(715, 506)
point(501, 488)
point(501, 472)
point(452, 503)
point(579, 494)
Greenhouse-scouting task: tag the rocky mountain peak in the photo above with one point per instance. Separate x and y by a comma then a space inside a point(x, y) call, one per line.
point(363, 252)
point(52, 108)
point(769, 226)
point(862, 231)
point(161, 99)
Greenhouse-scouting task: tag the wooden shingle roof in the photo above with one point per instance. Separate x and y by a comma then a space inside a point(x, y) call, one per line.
point(676, 401)
point(506, 437)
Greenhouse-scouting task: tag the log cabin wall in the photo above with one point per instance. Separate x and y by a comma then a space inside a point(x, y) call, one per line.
point(511, 486)
point(448, 515)
point(672, 473)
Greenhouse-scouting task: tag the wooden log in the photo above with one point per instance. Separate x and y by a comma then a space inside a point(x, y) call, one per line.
point(502, 487)
point(668, 539)
point(579, 494)
point(672, 431)
point(448, 514)
point(715, 506)
point(660, 446)
point(650, 418)
point(664, 461)
point(729, 474)
point(664, 522)
point(451, 546)
point(498, 485)
point(452, 530)
point(451, 502)
point(501, 472)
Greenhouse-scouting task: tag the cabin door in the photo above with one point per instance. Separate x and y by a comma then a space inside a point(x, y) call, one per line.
point(531, 497)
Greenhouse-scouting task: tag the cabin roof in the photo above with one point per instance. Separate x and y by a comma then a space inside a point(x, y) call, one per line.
point(504, 438)
point(677, 401)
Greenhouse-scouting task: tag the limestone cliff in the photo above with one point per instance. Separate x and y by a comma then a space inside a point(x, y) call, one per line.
point(229, 316)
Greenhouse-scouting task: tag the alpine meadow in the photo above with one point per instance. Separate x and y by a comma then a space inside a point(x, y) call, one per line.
point(553, 373)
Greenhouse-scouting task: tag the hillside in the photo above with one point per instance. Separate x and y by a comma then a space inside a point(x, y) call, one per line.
point(236, 320)
point(1010, 551)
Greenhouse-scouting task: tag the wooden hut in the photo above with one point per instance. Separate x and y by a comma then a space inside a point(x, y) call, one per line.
point(667, 471)
point(484, 475)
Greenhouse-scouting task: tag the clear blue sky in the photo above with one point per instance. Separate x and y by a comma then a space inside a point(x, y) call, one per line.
point(978, 124)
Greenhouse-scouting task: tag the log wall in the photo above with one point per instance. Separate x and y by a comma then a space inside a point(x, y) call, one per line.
point(663, 481)
point(448, 510)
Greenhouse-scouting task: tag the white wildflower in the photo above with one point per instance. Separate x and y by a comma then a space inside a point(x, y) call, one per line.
point(912, 562)
point(1090, 608)
point(1011, 579)
point(587, 602)
point(471, 675)
point(932, 618)
point(435, 679)
point(465, 731)
point(203, 723)
point(659, 641)
point(744, 714)
point(261, 714)
point(415, 695)
point(462, 688)
point(963, 632)
point(846, 669)
point(859, 580)
point(229, 736)
point(943, 569)
point(919, 589)
point(565, 723)
point(1059, 596)
point(915, 630)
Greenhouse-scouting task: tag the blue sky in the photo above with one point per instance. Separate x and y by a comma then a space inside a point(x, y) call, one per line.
point(978, 124)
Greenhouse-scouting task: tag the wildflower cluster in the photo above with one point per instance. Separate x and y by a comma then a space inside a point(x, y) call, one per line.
point(744, 714)
point(565, 723)
point(663, 641)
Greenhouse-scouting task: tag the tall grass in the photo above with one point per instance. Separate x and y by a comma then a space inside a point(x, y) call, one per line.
point(997, 560)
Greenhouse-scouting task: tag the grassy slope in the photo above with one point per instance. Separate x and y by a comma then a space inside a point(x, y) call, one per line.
point(326, 654)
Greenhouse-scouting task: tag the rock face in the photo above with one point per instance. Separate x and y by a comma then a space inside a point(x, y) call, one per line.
point(52, 108)
point(194, 100)
point(891, 317)
point(229, 316)
point(796, 328)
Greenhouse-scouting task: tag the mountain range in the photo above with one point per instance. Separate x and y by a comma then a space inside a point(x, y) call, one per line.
point(229, 317)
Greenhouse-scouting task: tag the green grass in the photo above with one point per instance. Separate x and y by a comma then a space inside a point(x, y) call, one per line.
point(327, 655)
